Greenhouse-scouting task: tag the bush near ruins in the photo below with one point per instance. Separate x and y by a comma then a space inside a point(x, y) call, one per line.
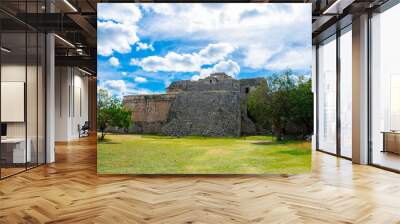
point(284, 102)
point(111, 113)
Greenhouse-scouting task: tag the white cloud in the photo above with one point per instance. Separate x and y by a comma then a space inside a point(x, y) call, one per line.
point(172, 62)
point(259, 36)
point(167, 82)
point(124, 73)
point(116, 87)
point(114, 61)
point(175, 62)
point(122, 88)
point(293, 59)
point(197, 77)
point(139, 91)
point(134, 61)
point(115, 37)
point(140, 79)
point(229, 67)
point(116, 27)
point(144, 46)
point(206, 72)
point(257, 56)
point(211, 19)
point(119, 13)
point(261, 31)
point(215, 52)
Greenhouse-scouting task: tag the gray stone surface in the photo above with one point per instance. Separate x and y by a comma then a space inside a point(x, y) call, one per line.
point(206, 113)
point(149, 112)
point(208, 84)
point(246, 86)
point(213, 106)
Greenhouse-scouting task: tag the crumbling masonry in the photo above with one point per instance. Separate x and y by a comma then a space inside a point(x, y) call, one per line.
point(213, 106)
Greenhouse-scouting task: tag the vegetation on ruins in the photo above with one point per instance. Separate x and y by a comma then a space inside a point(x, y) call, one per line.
point(111, 113)
point(283, 102)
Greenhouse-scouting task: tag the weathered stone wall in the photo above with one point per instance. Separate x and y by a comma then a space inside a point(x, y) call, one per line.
point(246, 86)
point(204, 85)
point(205, 113)
point(213, 106)
point(149, 112)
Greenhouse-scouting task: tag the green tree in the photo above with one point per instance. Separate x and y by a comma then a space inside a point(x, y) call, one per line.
point(111, 112)
point(258, 105)
point(281, 86)
point(302, 113)
point(283, 100)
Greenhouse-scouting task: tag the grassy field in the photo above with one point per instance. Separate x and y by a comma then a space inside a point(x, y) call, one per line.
point(149, 154)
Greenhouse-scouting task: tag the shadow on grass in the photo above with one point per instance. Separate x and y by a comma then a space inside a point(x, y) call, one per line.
point(274, 142)
point(108, 142)
point(294, 152)
point(264, 143)
point(159, 136)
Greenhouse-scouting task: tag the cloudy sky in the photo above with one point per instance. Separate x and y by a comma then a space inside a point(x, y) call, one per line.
point(142, 48)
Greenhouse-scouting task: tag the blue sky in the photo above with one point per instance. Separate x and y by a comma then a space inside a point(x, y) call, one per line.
point(142, 48)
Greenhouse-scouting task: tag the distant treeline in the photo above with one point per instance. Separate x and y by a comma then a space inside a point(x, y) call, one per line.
point(283, 105)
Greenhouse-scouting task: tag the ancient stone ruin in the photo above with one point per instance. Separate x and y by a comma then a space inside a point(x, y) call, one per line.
point(213, 106)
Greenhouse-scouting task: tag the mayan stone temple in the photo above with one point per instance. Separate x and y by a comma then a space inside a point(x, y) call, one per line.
point(213, 106)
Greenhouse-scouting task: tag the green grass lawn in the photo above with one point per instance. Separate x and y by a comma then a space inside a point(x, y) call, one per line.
point(150, 154)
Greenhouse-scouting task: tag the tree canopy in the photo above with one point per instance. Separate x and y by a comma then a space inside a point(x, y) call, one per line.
point(284, 101)
point(111, 112)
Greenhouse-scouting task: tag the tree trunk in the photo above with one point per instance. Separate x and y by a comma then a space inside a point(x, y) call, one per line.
point(102, 136)
point(278, 136)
